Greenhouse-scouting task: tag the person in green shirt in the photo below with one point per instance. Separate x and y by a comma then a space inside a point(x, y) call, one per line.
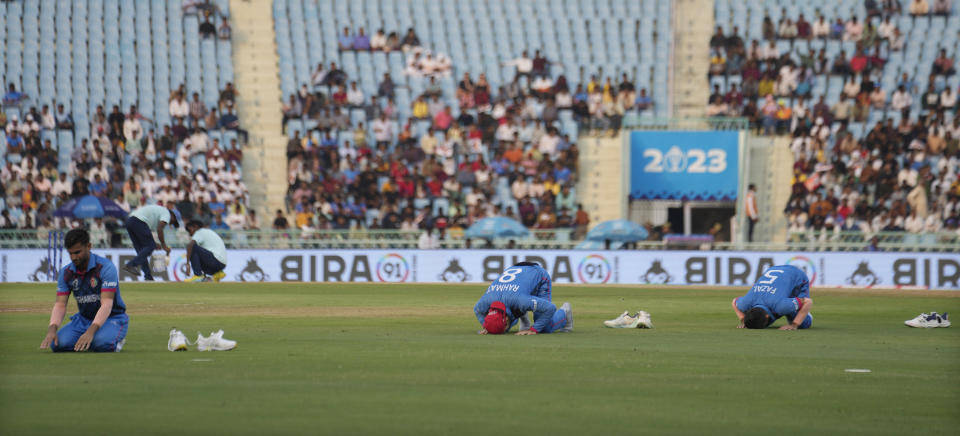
point(206, 253)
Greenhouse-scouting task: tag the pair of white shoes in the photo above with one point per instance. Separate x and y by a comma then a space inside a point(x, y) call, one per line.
point(640, 320)
point(215, 342)
point(933, 320)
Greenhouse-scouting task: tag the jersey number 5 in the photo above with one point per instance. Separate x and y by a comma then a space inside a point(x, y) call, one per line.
point(772, 275)
point(509, 275)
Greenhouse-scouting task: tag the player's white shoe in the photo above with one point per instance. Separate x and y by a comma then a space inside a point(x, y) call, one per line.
point(944, 320)
point(925, 321)
point(566, 308)
point(624, 321)
point(177, 341)
point(214, 342)
point(643, 320)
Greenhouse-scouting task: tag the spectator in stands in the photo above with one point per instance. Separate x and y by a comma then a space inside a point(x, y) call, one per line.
point(47, 121)
point(943, 65)
point(334, 77)
point(354, 97)
point(410, 40)
point(345, 41)
point(769, 31)
point(63, 118)
point(948, 99)
point(197, 110)
point(291, 110)
point(224, 32)
point(361, 42)
point(919, 7)
point(378, 42)
point(941, 7)
point(891, 7)
point(787, 30)
point(901, 101)
point(228, 95)
point(523, 65)
point(930, 100)
point(718, 40)
point(207, 28)
point(838, 29)
point(13, 97)
point(821, 28)
point(386, 88)
point(230, 121)
point(211, 121)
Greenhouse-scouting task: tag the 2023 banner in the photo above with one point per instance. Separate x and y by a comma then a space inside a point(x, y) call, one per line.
point(700, 166)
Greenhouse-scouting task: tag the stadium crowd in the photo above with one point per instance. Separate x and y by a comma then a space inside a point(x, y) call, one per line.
point(898, 176)
point(126, 160)
point(452, 160)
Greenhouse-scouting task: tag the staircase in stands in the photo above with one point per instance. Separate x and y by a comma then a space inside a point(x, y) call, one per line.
point(258, 83)
point(692, 28)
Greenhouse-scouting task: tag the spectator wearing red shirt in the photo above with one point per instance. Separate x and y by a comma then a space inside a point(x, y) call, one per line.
point(858, 62)
point(443, 119)
point(340, 96)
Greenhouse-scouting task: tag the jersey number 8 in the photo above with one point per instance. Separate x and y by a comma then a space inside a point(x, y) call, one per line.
point(509, 275)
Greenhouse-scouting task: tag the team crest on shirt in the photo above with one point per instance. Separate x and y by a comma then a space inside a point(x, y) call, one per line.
point(93, 282)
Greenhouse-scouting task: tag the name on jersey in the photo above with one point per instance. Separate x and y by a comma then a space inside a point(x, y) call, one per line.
point(90, 298)
point(503, 288)
point(765, 288)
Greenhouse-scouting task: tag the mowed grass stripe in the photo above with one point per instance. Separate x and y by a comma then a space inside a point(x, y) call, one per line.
point(405, 359)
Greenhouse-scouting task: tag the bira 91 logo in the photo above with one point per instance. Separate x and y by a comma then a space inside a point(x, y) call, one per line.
point(393, 268)
point(594, 269)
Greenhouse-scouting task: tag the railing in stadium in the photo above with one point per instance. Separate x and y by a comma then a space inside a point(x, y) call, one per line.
point(640, 122)
point(944, 242)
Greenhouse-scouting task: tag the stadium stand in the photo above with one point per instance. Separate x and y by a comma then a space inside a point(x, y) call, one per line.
point(76, 60)
point(419, 131)
point(865, 89)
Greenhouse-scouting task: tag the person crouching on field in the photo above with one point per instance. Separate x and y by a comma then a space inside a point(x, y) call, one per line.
point(100, 323)
point(206, 253)
point(783, 290)
point(521, 288)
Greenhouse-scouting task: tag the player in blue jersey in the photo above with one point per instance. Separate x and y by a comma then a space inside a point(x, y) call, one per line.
point(524, 287)
point(100, 324)
point(140, 225)
point(783, 290)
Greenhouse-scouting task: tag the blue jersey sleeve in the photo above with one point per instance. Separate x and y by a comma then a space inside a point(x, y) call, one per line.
point(787, 307)
point(744, 303)
point(544, 286)
point(110, 281)
point(481, 309)
point(542, 310)
point(802, 289)
point(62, 288)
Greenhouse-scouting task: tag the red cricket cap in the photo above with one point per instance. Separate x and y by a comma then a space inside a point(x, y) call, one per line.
point(496, 321)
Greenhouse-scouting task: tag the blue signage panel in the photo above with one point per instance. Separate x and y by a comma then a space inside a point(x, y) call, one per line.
point(684, 165)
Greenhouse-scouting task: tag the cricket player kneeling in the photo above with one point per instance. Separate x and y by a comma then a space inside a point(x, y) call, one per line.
point(782, 291)
point(524, 287)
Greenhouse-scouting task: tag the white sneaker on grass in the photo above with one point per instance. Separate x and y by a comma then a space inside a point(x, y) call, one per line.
point(566, 308)
point(643, 320)
point(925, 321)
point(624, 321)
point(214, 342)
point(177, 341)
point(944, 320)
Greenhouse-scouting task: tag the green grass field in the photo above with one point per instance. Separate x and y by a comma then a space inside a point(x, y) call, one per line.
point(406, 359)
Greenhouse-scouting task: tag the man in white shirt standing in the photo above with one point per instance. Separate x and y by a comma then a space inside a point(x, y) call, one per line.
point(523, 64)
point(752, 213)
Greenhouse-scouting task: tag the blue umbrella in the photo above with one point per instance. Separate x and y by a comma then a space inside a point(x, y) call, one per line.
point(90, 206)
point(618, 230)
point(496, 227)
point(587, 244)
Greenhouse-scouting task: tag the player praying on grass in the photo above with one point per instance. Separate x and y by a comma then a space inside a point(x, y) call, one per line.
point(206, 253)
point(100, 323)
point(783, 290)
point(524, 287)
point(140, 225)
